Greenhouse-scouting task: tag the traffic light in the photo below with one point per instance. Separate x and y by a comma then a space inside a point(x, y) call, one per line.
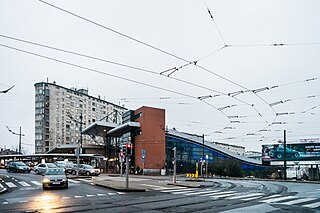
point(172, 154)
point(129, 149)
point(124, 149)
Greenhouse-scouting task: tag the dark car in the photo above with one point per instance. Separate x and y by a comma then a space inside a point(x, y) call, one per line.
point(85, 169)
point(17, 166)
point(279, 153)
point(42, 167)
point(54, 178)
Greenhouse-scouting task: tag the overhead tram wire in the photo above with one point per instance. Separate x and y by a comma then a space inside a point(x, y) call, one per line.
point(121, 64)
point(95, 71)
point(114, 31)
point(104, 73)
point(134, 39)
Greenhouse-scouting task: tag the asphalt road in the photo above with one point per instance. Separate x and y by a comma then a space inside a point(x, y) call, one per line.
point(220, 195)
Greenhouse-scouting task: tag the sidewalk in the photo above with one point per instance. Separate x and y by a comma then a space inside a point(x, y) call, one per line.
point(140, 183)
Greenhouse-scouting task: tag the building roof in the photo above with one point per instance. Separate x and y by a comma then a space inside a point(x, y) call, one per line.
point(212, 145)
point(124, 128)
point(99, 128)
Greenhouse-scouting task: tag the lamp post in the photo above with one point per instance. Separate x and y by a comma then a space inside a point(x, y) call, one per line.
point(19, 134)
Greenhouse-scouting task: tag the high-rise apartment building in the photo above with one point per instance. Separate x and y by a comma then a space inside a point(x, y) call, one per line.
point(59, 112)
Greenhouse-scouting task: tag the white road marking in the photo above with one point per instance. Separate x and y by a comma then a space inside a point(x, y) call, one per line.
point(272, 200)
point(91, 195)
point(202, 192)
point(112, 193)
point(76, 196)
point(177, 190)
point(36, 183)
point(252, 198)
point(182, 192)
point(302, 200)
point(73, 181)
point(66, 197)
point(24, 183)
point(224, 195)
point(5, 202)
point(85, 180)
point(10, 184)
point(312, 205)
point(121, 193)
point(101, 195)
point(219, 193)
point(246, 196)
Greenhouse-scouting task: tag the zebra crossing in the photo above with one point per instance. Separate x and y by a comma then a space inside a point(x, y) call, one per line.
point(13, 183)
point(61, 198)
point(214, 194)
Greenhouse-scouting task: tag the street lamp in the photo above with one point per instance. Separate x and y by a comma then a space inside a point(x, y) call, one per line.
point(19, 137)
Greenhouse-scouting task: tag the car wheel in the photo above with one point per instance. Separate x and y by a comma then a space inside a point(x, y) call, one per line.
point(8, 170)
point(88, 173)
point(73, 172)
point(36, 172)
point(296, 155)
point(44, 187)
point(66, 186)
point(279, 155)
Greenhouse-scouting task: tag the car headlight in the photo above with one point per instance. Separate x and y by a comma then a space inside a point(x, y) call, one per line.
point(46, 180)
point(92, 171)
point(64, 179)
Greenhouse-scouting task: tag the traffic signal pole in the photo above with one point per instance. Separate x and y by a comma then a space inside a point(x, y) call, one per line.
point(174, 166)
point(127, 171)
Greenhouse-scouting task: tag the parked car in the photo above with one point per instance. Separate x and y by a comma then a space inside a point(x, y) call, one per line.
point(54, 178)
point(85, 169)
point(17, 166)
point(67, 166)
point(42, 167)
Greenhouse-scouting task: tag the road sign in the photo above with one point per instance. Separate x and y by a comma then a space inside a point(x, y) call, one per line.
point(143, 155)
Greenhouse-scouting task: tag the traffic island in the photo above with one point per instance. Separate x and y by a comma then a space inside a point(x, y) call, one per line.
point(2, 189)
point(119, 186)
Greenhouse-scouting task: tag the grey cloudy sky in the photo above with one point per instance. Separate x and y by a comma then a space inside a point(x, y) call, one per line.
point(235, 56)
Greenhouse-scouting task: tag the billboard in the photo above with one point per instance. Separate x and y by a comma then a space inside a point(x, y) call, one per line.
point(295, 152)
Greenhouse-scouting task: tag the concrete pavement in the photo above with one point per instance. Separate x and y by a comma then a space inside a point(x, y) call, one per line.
point(141, 183)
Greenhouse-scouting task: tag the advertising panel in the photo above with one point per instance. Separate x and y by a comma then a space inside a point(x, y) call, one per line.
point(295, 152)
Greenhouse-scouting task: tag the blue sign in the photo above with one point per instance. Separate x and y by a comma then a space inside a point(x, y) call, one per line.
point(143, 155)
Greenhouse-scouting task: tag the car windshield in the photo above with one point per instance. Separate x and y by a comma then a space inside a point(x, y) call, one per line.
point(54, 172)
point(20, 164)
point(51, 165)
point(87, 167)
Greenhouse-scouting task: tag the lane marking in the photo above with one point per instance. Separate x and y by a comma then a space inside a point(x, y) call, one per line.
point(202, 192)
point(77, 196)
point(272, 200)
point(225, 195)
point(91, 195)
point(36, 183)
point(177, 190)
point(302, 200)
point(121, 193)
point(101, 195)
point(73, 181)
point(219, 193)
point(24, 183)
point(10, 184)
point(246, 196)
point(312, 205)
point(252, 198)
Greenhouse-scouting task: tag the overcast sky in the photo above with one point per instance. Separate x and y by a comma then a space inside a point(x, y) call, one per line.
point(206, 73)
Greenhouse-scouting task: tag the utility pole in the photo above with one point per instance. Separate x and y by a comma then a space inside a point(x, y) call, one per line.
point(285, 156)
point(19, 134)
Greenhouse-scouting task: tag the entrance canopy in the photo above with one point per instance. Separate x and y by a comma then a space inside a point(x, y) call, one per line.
point(104, 129)
point(99, 128)
point(124, 128)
